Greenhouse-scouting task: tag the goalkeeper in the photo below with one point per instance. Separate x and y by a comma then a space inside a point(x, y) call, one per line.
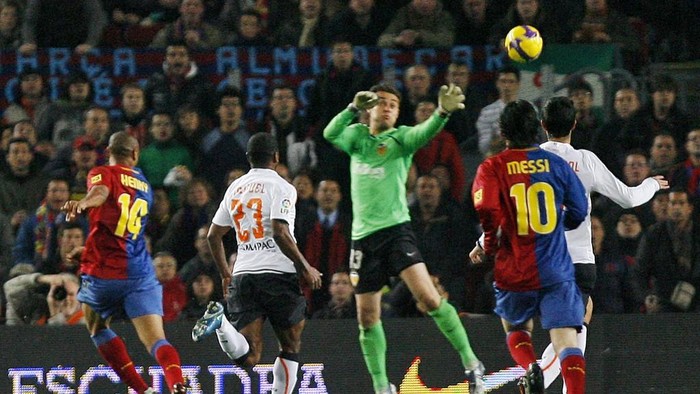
point(383, 242)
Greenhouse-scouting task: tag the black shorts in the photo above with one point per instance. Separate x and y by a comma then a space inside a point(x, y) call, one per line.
point(585, 279)
point(277, 297)
point(379, 256)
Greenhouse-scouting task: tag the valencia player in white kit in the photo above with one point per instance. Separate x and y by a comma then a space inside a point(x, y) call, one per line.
point(263, 282)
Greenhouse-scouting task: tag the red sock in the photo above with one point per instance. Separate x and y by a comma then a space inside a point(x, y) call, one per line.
point(573, 370)
point(114, 352)
point(521, 349)
point(169, 360)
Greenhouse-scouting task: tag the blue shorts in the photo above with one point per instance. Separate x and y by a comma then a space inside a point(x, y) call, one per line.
point(138, 297)
point(558, 305)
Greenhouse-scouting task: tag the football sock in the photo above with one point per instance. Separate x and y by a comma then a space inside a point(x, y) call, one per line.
point(373, 344)
point(232, 342)
point(447, 320)
point(520, 347)
point(284, 373)
point(551, 365)
point(169, 360)
point(573, 370)
point(112, 349)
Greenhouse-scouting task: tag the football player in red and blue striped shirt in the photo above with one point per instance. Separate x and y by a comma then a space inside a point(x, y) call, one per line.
point(526, 198)
point(117, 269)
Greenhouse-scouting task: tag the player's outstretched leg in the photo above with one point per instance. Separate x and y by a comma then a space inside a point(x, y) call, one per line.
point(169, 359)
point(573, 370)
point(232, 342)
point(373, 344)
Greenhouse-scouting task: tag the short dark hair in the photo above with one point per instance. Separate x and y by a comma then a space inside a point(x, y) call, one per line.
point(662, 82)
point(385, 87)
point(18, 140)
point(510, 70)
point(230, 91)
point(519, 124)
point(558, 116)
point(261, 149)
point(580, 84)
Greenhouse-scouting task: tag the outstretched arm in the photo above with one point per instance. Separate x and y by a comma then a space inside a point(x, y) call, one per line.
point(96, 196)
point(625, 196)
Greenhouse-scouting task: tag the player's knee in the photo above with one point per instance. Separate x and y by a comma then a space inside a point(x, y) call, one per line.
point(429, 302)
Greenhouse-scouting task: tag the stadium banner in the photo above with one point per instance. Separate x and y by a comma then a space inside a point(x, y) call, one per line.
point(256, 69)
point(625, 354)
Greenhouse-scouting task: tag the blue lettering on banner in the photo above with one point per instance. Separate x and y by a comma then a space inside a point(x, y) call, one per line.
point(426, 56)
point(226, 58)
point(58, 61)
point(253, 63)
point(91, 69)
point(124, 58)
point(103, 91)
point(285, 56)
point(463, 54)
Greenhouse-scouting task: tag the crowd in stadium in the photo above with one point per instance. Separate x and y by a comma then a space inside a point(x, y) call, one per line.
point(193, 139)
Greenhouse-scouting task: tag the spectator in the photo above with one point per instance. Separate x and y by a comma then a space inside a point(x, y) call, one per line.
point(663, 154)
point(668, 259)
point(189, 28)
point(273, 13)
point(128, 12)
point(334, 88)
point(190, 129)
point(200, 291)
point(659, 206)
point(202, 262)
point(441, 150)
point(83, 159)
point(61, 122)
point(165, 162)
point(342, 299)
point(224, 147)
point(22, 186)
point(250, 30)
point(30, 100)
point(174, 290)
point(508, 85)
point(626, 103)
point(10, 24)
point(96, 126)
point(617, 288)
point(462, 124)
point(361, 21)
point(197, 209)
point(686, 175)
point(160, 215)
point(62, 24)
point(307, 29)
point(283, 121)
point(600, 24)
point(180, 82)
point(324, 238)
point(36, 238)
point(527, 12)
point(473, 23)
point(28, 303)
point(419, 24)
point(70, 237)
point(661, 114)
point(165, 11)
point(443, 237)
point(588, 118)
point(628, 232)
point(417, 85)
point(133, 114)
point(306, 203)
point(42, 151)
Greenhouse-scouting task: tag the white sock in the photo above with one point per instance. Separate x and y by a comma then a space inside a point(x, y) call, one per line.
point(232, 342)
point(550, 365)
point(284, 373)
point(581, 338)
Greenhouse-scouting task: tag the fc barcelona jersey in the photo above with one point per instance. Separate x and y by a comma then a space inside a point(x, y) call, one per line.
point(116, 246)
point(525, 199)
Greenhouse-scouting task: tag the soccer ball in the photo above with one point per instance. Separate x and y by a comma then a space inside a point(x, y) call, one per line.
point(523, 43)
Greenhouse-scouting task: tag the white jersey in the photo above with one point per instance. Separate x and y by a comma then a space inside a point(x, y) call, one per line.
point(596, 177)
point(250, 204)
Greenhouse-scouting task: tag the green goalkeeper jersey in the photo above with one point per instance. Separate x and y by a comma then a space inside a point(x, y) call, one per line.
point(379, 168)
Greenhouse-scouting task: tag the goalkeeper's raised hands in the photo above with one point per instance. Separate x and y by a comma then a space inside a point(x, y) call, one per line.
point(365, 100)
point(450, 98)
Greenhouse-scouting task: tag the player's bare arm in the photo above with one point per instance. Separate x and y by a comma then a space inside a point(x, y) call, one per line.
point(96, 196)
point(285, 241)
point(216, 244)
